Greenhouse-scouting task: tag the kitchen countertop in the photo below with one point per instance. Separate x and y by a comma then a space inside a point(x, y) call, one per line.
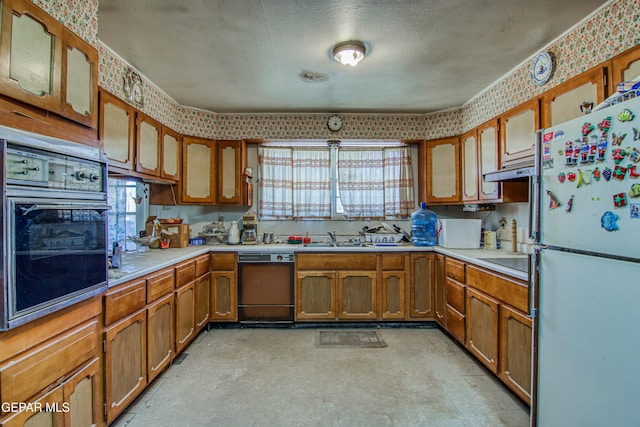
point(136, 265)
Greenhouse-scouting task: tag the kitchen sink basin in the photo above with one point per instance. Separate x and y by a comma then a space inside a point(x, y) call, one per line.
point(319, 245)
point(333, 245)
point(520, 264)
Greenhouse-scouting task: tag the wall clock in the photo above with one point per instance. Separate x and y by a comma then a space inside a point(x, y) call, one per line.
point(132, 88)
point(542, 68)
point(334, 123)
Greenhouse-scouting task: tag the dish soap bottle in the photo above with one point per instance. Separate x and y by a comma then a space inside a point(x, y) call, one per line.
point(423, 226)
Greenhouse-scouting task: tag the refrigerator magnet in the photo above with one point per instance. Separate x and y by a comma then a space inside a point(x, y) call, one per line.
point(620, 200)
point(569, 204)
point(606, 173)
point(636, 134)
point(617, 139)
point(625, 115)
point(635, 210)
point(635, 191)
point(597, 174)
point(554, 203)
point(633, 171)
point(619, 172)
point(609, 220)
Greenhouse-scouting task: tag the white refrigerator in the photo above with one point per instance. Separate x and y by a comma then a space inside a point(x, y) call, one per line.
point(586, 271)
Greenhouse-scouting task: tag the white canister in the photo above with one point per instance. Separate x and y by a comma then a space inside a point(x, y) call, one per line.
point(234, 233)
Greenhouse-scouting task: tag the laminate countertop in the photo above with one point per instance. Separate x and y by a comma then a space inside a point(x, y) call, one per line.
point(136, 264)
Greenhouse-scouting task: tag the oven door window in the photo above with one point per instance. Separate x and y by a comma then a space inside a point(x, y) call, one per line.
point(59, 251)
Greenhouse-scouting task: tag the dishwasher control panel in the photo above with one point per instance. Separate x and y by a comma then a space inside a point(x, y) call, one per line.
point(265, 257)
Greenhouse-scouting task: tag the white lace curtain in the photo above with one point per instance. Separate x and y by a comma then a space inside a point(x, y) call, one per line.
point(295, 183)
point(372, 183)
point(376, 183)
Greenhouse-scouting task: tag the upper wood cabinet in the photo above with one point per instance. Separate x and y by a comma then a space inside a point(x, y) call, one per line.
point(198, 171)
point(231, 164)
point(469, 170)
point(488, 160)
point(569, 99)
point(518, 133)
point(117, 131)
point(171, 144)
point(45, 65)
point(148, 145)
point(443, 171)
point(625, 66)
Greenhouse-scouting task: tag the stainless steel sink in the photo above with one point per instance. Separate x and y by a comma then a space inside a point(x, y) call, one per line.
point(520, 264)
point(319, 245)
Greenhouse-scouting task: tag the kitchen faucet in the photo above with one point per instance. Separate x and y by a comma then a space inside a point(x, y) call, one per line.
point(333, 237)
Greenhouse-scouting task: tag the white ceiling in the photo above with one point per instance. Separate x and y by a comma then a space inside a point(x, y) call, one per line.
point(246, 55)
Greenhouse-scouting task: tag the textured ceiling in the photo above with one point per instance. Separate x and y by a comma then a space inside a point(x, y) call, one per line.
point(246, 55)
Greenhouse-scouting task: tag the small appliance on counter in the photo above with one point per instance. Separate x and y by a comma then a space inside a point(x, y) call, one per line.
point(250, 229)
point(214, 233)
point(460, 233)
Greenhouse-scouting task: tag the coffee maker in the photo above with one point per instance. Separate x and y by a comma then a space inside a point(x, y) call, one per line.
point(250, 229)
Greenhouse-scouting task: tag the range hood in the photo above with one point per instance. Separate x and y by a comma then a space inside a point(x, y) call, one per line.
point(520, 172)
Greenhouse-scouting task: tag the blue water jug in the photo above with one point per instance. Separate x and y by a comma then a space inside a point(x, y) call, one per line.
point(423, 226)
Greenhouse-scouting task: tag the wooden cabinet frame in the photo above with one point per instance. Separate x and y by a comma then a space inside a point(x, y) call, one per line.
point(443, 168)
point(160, 335)
point(147, 161)
point(170, 155)
point(421, 289)
point(301, 295)
point(621, 63)
point(488, 191)
point(482, 328)
point(198, 177)
point(105, 135)
point(519, 154)
point(343, 304)
point(515, 357)
point(469, 169)
point(231, 157)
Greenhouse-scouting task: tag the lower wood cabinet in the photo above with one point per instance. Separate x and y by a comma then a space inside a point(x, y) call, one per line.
point(439, 291)
point(515, 351)
point(160, 335)
point(455, 308)
point(224, 296)
point(392, 295)
point(203, 301)
point(357, 295)
point(482, 328)
point(125, 361)
point(83, 395)
point(316, 295)
point(421, 287)
point(185, 316)
point(40, 418)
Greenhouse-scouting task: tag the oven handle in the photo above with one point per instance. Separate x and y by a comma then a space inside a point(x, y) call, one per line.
point(37, 207)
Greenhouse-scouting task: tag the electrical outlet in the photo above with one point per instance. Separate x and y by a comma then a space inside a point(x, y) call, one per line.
point(503, 222)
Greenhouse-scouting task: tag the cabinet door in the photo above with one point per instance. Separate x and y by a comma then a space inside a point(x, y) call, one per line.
point(515, 351)
point(625, 67)
point(443, 171)
point(489, 159)
point(224, 296)
point(203, 298)
point(31, 418)
point(83, 395)
point(160, 335)
point(185, 316)
point(482, 328)
point(125, 362)
point(421, 286)
point(230, 172)
point(469, 168)
point(439, 291)
point(518, 133)
point(316, 295)
point(566, 101)
point(171, 154)
point(198, 171)
point(30, 55)
point(357, 295)
point(148, 146)
point(117, 131)
point(79, 80)
point(392, 295)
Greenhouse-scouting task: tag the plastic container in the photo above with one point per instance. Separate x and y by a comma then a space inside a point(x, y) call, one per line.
point(424, 227)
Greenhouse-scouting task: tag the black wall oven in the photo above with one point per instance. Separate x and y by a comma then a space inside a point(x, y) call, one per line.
point(54, 216)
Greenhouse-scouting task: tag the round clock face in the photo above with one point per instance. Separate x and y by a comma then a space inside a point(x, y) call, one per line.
point(137, 93)
point(541, 68)
point(334, 123)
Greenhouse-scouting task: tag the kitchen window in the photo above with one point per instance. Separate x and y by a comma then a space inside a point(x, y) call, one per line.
point(128, 211)
point(341, 181)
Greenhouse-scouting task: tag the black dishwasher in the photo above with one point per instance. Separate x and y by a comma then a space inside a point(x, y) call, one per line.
point(265, 287)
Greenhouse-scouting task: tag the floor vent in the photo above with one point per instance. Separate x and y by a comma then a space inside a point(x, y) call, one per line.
point(178, 360)
point(349, 339)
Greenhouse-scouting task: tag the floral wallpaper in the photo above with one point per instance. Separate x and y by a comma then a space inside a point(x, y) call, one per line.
point(612, 30)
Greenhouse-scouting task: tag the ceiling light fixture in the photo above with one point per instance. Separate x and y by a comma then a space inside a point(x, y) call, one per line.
point(349, 53)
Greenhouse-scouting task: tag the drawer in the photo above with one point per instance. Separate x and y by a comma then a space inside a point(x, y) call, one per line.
point(124, 299)
point(455, 323)
point(159, 284)
point(185, 273)
point(392, 262)
point(508, 290)
point(25, 376)
point(336, 261)
point(455, 294)
point(455, 269)
point(224, 261)
point(203, 265)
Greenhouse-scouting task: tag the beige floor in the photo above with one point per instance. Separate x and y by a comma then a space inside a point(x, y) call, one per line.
point(277, 377)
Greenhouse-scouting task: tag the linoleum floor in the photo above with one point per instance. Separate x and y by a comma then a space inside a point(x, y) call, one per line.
point(277, 377)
